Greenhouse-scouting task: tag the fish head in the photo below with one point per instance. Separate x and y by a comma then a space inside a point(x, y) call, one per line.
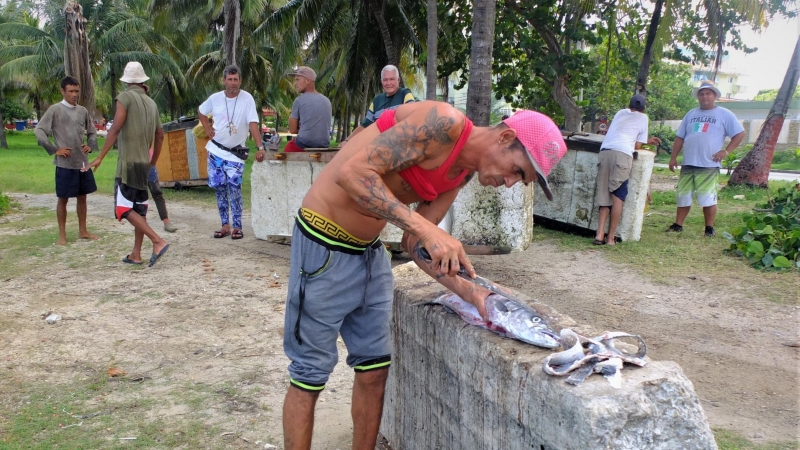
point(540, 335)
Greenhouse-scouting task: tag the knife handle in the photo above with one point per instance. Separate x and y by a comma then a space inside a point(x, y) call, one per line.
point(423, 253)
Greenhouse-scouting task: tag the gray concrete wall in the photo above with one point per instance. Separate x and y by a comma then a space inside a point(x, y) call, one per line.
point(277, 191)
point(453, 386)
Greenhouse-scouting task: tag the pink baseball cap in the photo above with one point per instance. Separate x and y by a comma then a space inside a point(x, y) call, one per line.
point(543, 140)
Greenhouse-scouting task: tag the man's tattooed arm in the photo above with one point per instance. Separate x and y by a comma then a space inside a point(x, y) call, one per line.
point(402, 146)
point(382, 202)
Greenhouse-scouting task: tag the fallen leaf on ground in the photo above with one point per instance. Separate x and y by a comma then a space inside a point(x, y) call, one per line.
point(274, 284)
point(209, 269)
point(114, 372)
point(249, 275)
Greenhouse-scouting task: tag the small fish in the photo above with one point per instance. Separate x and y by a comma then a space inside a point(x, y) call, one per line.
point(506, 318)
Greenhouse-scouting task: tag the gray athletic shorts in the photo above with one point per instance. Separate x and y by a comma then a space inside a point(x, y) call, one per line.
point(335, 287)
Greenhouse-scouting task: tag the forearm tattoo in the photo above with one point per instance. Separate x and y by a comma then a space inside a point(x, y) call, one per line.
point(380, 201)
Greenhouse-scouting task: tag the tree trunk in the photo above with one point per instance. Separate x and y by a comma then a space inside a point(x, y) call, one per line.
point(37, 105)
point(433, 40)
point(446, 88)
point(377, 7)
point(479, 91)
point(3, 141)
point(230, 39)
point(364, 106)
point(113, 82)
point(572, 112)
point(647, 57)
point(76, 54)
point(754, 167)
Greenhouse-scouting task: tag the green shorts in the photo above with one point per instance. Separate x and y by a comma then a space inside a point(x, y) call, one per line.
point(700, 182)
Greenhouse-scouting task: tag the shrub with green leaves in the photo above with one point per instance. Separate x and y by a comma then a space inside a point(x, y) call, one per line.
point(770, 237)
point(666, 134)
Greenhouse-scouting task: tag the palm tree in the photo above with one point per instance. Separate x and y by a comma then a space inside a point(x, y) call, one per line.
point(479, 91)
point(117, 34)
point(754, 167)
point(76, 53)
point(433, 39)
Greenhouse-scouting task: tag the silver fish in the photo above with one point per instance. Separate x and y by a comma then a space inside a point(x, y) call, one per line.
point(506, 318)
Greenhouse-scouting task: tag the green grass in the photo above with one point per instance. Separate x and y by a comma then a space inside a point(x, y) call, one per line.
point(5, 204)
point(28, 168)
point(670, 257)
point(96, 412)
point(33, 172)
point(728, 440)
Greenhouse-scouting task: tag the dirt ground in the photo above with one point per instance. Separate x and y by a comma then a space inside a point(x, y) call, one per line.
point(207, 320)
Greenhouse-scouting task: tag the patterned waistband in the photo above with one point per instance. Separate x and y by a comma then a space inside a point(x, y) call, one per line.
point(330, 234)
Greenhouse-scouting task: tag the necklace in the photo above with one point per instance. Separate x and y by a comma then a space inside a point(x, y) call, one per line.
point(231, 126)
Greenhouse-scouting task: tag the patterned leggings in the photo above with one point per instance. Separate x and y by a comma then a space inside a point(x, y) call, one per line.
point(235, 204)
point(226, 179)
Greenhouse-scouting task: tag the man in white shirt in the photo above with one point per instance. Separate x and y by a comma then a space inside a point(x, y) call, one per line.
point(628, 131)
point(234, 112)
point(702, 133)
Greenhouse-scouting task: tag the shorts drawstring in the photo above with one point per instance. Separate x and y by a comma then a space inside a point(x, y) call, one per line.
point(302, 297)
point(368, 262)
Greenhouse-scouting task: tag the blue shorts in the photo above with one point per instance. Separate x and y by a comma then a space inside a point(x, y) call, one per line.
point(336, 286)
point(74, 183)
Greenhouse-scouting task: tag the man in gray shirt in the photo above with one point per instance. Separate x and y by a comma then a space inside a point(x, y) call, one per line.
point(311, 114)
point(69, 123)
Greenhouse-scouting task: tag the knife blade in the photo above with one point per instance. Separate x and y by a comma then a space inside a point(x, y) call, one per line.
point(480, 281)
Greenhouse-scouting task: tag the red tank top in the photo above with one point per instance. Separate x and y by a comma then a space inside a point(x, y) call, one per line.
point(428, 184)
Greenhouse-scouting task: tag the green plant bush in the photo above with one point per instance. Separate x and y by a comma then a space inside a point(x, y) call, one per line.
point(770, 237)
point(666, 134)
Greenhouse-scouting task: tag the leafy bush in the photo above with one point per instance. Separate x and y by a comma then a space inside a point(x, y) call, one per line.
point(666, 134)
point(770, 237)
point(5, 204)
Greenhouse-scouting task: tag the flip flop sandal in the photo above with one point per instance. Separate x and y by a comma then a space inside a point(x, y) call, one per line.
point(221, 234)
point(237, 234)
point(128, 260)
point(598, 242)
point(154, 258)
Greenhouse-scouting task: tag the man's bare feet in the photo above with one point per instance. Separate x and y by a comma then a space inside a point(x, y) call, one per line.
point(61, 241)
point(88, 235)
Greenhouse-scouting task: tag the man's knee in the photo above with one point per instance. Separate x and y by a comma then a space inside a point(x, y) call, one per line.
point(373, 378)
point(81, 199)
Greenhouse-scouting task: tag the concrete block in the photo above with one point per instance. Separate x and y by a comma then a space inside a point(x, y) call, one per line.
point(277, 192)
point(453, 386)
point(574, 185)
point(492, 216)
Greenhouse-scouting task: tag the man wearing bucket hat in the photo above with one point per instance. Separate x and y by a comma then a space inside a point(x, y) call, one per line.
point(136, 126)
point(701, 135)
point(340, 276)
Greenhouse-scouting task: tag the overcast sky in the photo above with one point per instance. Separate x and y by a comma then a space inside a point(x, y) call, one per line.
point(765, 68)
